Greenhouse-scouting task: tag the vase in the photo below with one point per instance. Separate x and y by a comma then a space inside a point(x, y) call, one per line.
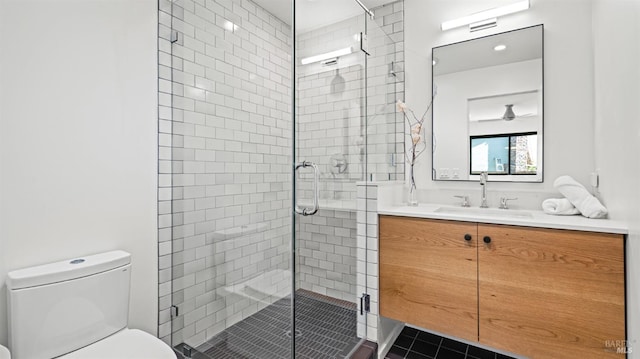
point(412, 199)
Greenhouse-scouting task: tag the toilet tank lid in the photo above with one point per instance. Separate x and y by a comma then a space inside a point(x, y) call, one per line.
point(66, 270)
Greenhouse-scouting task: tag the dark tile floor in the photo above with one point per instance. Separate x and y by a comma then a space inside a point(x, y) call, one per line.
point(324, 329)
point(416, 344)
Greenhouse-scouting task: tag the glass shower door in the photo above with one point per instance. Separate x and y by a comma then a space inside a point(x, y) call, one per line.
point(348, 77)
point(330, 131)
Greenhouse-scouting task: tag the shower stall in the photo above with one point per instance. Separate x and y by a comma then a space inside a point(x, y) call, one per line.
point(269, 131)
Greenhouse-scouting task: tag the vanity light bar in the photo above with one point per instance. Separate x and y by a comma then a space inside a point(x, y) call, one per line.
point(485, 15)
point(326, 56)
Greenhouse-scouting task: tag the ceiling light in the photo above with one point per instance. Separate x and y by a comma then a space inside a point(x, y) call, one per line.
point(326, 56)
point(484, 15)
point(500, 47)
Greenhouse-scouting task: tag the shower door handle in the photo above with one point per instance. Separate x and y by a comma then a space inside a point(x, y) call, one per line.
point(316, 189)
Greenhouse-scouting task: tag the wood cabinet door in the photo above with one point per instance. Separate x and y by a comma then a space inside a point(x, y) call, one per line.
point(428, 274)
point(551, 293)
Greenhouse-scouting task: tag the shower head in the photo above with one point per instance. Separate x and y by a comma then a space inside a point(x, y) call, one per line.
point(338, 84)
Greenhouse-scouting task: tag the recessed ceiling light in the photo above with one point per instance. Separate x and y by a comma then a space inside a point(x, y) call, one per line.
point(500, 47)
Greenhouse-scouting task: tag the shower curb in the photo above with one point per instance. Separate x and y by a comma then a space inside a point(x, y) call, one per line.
point(367, 350)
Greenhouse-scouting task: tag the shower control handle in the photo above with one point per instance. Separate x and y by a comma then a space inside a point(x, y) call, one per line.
point(306, 211)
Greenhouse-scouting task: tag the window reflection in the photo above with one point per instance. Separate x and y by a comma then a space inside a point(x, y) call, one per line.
point(504, 154)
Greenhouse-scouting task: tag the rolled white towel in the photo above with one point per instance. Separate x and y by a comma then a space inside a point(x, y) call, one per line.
point(587, 204)
point(559, 206)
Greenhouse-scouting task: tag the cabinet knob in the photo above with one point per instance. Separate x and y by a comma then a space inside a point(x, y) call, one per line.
point(487, 239)
point(467, 237)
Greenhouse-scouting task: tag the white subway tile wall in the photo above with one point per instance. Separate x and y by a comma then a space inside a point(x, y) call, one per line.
point(225, 164)
point(367, 257)
point(327, 254)
point(331, 130)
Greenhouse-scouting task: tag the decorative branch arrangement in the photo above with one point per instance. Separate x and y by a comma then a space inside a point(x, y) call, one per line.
point(418, 144)
point(415, 126)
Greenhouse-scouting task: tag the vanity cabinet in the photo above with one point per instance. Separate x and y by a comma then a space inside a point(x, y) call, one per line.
point(551, 293)
point(540, 293)
point(428, 274)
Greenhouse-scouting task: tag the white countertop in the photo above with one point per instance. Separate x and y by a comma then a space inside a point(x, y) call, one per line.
point(528, 218)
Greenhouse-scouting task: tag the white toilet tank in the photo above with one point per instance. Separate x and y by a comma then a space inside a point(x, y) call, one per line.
point(60, 307)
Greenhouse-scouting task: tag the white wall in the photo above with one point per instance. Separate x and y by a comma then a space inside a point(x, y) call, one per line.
point(616, 25)
point(78, 136)
point(568, 80)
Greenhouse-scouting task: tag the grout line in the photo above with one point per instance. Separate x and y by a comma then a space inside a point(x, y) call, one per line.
point(439, 346)
point(410, 345)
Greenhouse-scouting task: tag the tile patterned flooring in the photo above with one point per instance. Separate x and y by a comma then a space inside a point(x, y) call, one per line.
point(326, 329)
point(415, 344)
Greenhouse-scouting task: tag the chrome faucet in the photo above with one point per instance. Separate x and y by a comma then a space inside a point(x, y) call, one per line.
point(504, 202)
point(483, 182)
point(465, 200)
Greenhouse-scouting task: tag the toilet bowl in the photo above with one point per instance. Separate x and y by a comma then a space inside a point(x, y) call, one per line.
point(4, 353)
point(77, 309)
point(125, 344)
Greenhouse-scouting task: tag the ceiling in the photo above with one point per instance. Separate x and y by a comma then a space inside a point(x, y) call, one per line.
point(312, 14)
point(525, 104)
point(522, 45)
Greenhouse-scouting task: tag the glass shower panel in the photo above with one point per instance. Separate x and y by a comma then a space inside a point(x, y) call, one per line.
point(385, 86)
point(231, 140)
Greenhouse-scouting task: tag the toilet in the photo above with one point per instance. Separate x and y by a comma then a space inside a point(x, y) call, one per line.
point(77, 309)
point(4, 353)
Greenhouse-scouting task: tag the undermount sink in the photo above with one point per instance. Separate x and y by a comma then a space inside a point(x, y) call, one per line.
point(484, 212)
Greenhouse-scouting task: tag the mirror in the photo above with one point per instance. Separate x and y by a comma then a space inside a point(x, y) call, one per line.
point(488, 108)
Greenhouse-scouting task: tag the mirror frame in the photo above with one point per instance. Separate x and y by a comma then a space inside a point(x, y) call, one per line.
point(538, 177)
